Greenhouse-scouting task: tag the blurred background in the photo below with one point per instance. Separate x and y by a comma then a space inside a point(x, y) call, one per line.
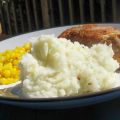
point(21, 16)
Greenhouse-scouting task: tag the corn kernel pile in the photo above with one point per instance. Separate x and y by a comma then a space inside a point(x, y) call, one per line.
point(9, 60)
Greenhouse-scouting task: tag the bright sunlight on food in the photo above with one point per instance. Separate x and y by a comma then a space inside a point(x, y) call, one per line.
point(9, 64)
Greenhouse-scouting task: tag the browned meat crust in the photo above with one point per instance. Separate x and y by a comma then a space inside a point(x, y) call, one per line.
point(89, 34)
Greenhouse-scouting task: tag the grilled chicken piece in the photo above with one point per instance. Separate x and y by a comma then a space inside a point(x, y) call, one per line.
point(89, 34)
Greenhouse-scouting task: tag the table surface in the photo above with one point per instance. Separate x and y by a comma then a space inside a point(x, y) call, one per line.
point(103, 111)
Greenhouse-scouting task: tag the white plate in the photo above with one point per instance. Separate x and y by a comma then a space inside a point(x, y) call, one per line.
point(22, 39)
point(11, 95)
point(19, 40)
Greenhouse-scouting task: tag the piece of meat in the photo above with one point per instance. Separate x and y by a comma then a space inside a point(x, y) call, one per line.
point(89, 34)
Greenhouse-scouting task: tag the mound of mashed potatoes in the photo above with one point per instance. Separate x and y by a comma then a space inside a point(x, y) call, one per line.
point(57, 67)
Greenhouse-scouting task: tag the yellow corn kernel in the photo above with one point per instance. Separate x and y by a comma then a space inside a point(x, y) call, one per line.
point(17, 55)
point(13, 55)
point(0, 75)
point(14, 72)
point(2, 80)
point(1, 69)
point(1, 54)
point(3, 59)
point(15, 62)
point(7, 66)
point(22, 52)
point(27, 46)
point(5, 81)
point(1, 64)
point(6, 73)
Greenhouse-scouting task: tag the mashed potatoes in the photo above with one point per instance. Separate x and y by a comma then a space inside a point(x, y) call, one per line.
point(57, 67)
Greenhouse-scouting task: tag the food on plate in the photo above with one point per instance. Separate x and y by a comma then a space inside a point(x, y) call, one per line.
point(58, 67)
point(9, 60)
point(90, 34)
